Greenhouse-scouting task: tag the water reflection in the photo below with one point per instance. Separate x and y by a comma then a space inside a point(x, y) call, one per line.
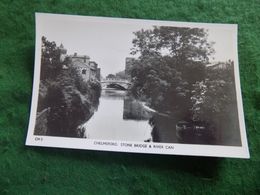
point(164, 129)
point(113, 94)
point(134, 110)
point(118, 118)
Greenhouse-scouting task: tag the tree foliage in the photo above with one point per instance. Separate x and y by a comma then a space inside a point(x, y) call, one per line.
point(50, 59)
point(184, 44)
point(111, 76)
point(70, 100)
point(171, 60)
point(213, 96)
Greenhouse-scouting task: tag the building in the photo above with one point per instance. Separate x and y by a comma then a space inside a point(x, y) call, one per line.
point(93, 70)
point(87, 69)
point(63, 52)
point(98, 74)
point(80, 58)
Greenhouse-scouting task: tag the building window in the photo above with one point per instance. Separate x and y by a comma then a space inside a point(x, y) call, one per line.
point(84, 71)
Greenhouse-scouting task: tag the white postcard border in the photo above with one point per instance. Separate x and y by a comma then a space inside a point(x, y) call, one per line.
point(118, 146)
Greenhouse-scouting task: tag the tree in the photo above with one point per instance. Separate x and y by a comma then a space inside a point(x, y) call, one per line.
point(69, 99)
point(214, 101)
point(50, 60)
point(212, 96)
point(111, 76)
point(171, 60)
point(187, 48)
point(182, 43)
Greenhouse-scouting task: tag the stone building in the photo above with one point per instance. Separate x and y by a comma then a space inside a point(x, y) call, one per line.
point(93, 69)
point(87, 69)
point(63, 52)
point(80, 58)
point(98, 74)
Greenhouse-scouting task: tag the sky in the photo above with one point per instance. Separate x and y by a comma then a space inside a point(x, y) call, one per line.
point(108, 41)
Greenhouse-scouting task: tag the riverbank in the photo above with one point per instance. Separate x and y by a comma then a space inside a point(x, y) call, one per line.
point(70, 101)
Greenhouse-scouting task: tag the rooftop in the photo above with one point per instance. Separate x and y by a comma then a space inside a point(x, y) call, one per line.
point(75, 55)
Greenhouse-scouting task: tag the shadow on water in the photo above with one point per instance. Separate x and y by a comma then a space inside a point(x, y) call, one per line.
point(113, 94)
point(134, 110)
point(164, 129)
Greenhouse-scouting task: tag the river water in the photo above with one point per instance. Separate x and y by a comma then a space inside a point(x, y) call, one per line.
point(118, 117)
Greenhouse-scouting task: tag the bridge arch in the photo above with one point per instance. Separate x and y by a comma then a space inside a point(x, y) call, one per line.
point(119, 84)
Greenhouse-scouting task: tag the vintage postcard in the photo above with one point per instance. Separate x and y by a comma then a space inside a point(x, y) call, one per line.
point(132, 85)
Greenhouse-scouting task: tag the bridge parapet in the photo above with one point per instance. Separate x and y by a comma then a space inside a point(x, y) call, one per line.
point(115, 81)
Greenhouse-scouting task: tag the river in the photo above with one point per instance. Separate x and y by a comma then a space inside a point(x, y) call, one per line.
point(119, 117)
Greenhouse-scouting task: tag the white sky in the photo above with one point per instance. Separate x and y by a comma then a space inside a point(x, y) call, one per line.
point(108, 41)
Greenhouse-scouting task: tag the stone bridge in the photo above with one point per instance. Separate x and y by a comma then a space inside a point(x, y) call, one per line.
point(120, 84)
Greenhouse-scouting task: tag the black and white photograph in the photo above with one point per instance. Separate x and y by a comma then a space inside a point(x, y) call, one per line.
point(133, 85)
